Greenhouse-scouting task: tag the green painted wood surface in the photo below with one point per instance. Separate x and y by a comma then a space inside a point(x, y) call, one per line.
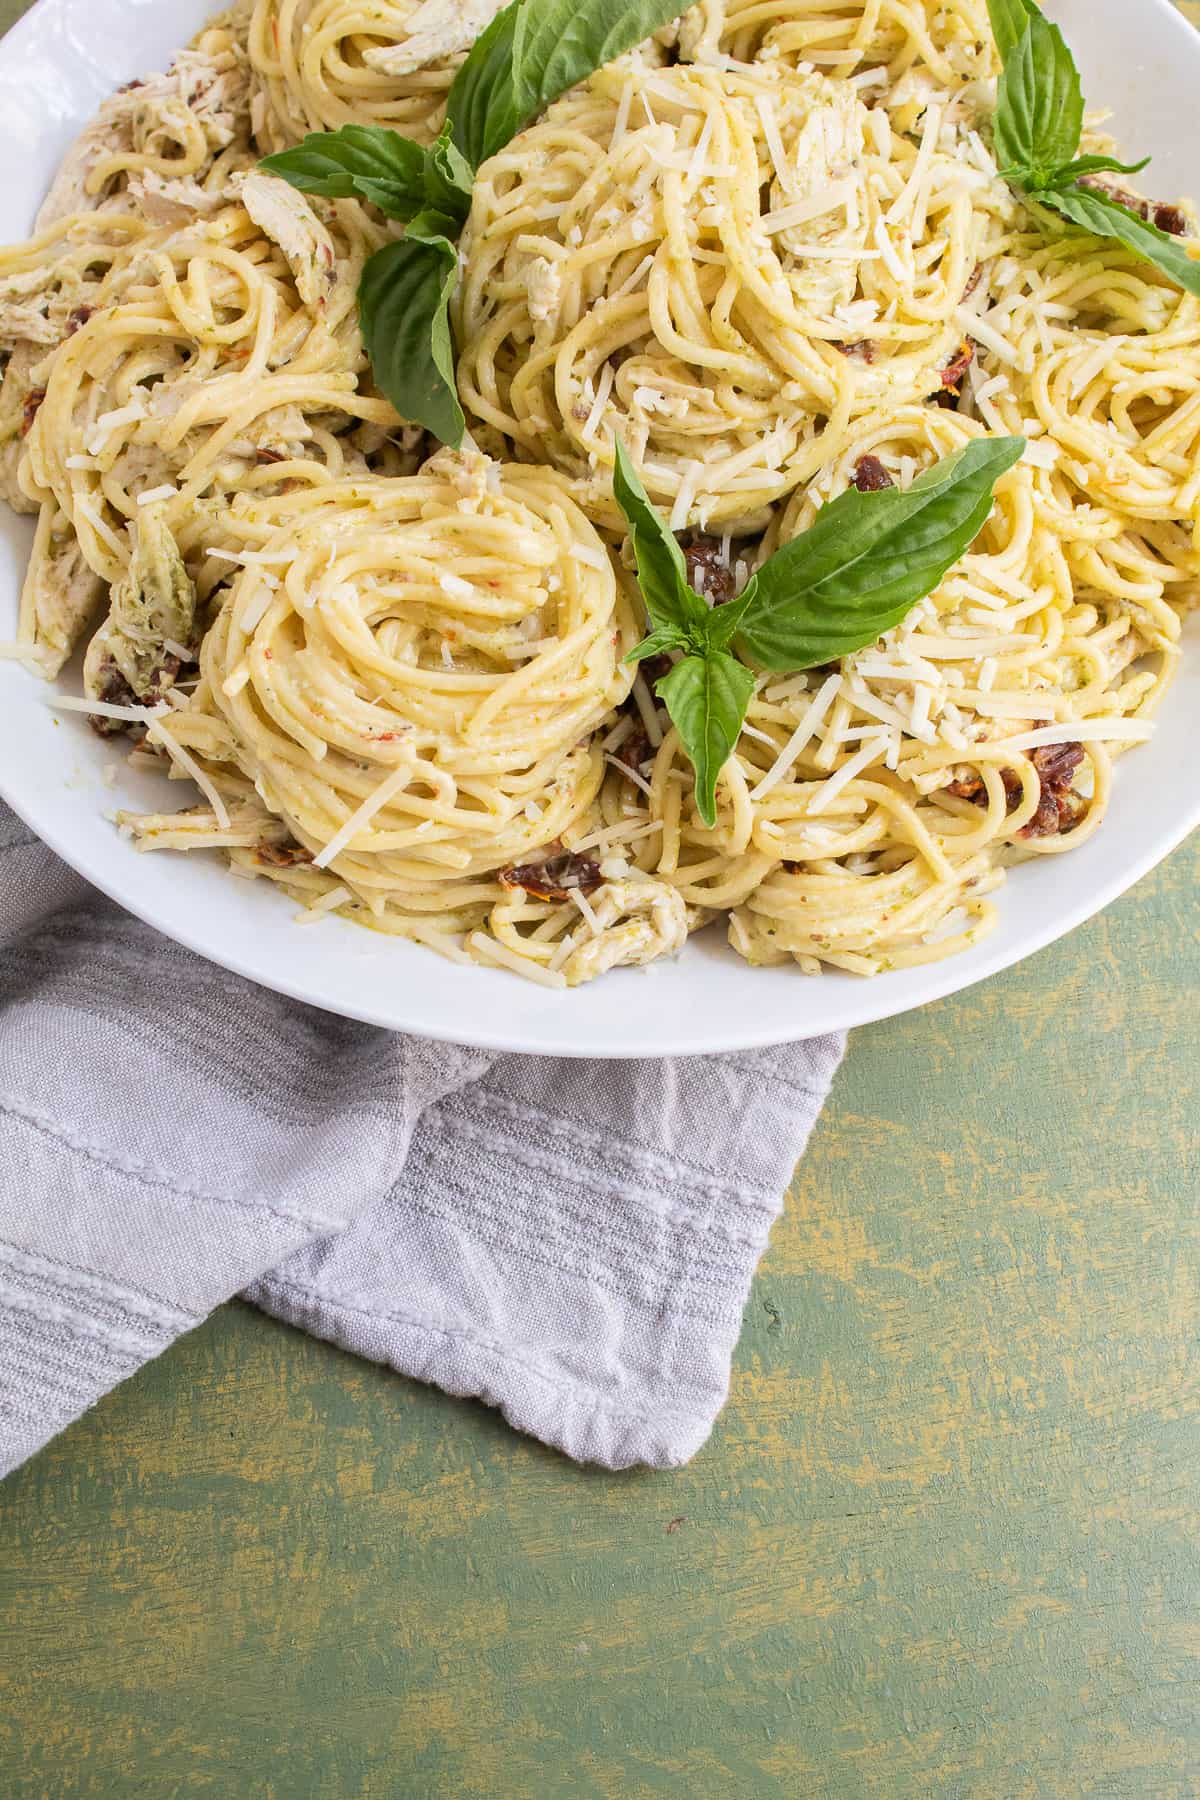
point(944, 1542)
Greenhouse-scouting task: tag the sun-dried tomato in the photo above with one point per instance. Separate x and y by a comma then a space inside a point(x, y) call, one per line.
point(870, 476)
point(29, 411)
point(555, 879)
point(707, 569)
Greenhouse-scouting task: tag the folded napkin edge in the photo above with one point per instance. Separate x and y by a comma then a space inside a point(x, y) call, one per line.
point(586, 1426)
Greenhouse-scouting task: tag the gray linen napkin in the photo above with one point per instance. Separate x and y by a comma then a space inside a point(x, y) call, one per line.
point(573, 1242)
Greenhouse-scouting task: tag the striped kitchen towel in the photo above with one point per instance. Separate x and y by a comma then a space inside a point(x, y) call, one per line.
point(573, 1242)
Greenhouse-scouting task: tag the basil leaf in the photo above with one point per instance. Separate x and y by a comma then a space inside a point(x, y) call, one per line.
point(481, 108)
point(1093, 165)
point(1009, 19)
point(657, 644)
point(1039, 105)
point(724, 622)
point(707, 697)
point(362, 162)
point(534, 51)
point(449, 179)
point(869, 558)
point(560, 42)
point(431, 227)
point(671, 603)
point(403, 309)
point(1107, 218)
point(369, 162)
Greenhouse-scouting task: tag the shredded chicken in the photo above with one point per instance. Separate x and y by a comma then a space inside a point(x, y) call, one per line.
point(289, 221)
point(437, 29)
point(16, 390)
point(639, 921)
point(172, 202)
point(155, 117)
point(543, 283)
point(60, 593)
point(152, 607)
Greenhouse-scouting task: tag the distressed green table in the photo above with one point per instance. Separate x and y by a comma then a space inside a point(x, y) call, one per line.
point(945, 1540)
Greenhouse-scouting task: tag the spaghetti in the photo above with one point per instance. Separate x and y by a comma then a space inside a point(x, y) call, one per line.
point(698, 258)
point(774, 258)
point(318, 64)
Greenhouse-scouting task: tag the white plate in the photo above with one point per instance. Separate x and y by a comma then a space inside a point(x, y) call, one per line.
point(56, 65)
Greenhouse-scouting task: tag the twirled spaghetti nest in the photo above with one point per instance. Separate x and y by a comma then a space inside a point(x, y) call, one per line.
point(398, 692)
point(694, 258)
point(318, 64)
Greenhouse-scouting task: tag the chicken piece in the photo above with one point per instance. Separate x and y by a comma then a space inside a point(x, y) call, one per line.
point(437, 29)
point(60, 593)
point(27, 305)
point(698, 31)
point(639, 922)
point(827, 149)
point(151, 117)
point(177, 202)
point(289, 221)
point(216, 90)
point(151, 619)
point(543, 284)
point(18, 393)
point(140, 467)
point(109, 132)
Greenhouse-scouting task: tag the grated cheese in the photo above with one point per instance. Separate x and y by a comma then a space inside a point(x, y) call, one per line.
point(696, 168)
point(1082, 731)
point(620, 123)
point(826, 200)
point(363, 814)
point(329, 902)
point(810, 720)
point(981, 327)
point(629, 833)
point(191, 768)
point(841, 778)
point(585, 906)
point(106, 709)
point(686, 493)
point(887, 250)
point(628, 774)
point(591, 558)
point(500, 954)
point(603, 390)
point(765, 107)
point(85, 510)
point(623, 287)
point(107, 423)
point(255, 610)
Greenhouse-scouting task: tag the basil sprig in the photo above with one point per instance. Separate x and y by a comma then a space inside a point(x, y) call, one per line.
point(531, 53)
point(857, 571)
point(1037, 128)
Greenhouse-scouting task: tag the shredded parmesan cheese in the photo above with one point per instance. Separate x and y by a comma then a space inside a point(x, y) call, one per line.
point(363, 814)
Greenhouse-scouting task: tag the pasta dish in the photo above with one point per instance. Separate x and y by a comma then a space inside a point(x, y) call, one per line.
point(771, 256)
